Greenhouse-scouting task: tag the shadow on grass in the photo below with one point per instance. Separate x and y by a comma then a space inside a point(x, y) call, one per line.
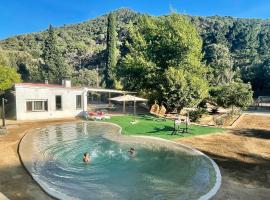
point(164, 129)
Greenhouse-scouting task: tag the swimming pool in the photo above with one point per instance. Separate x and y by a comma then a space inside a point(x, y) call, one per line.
point(160, 170)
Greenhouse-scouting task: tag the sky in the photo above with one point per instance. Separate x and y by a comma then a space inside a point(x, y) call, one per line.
point(26, 16)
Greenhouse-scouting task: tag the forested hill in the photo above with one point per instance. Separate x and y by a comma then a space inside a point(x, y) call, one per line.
point(242, 43)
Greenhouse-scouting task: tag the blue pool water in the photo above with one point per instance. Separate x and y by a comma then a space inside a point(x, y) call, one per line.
point(158, 171)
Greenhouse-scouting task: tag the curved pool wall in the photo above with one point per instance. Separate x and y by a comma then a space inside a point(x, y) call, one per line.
point(30, 155)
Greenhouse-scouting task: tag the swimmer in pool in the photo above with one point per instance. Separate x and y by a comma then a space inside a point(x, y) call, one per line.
point(86, 158)
point(132, 152)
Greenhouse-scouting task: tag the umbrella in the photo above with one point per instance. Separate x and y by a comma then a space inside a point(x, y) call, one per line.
point(128, 97)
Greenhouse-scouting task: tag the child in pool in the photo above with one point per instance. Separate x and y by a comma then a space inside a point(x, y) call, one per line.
point(86, 157)
point(132, 152)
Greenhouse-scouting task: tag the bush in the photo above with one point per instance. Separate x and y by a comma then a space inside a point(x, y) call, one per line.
point(195, 115)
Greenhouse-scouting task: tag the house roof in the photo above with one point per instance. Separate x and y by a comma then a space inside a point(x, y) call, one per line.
point(89, 89)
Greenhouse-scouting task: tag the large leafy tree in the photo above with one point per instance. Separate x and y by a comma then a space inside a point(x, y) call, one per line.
point(164, 61)
point(54, 67)
point(109, 72)
point(233, 94)
point(8, 76)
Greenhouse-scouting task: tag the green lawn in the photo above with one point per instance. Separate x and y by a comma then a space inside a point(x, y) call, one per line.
point(147, 126)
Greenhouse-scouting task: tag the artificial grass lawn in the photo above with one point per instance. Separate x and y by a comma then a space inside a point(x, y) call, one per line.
point(146, 125)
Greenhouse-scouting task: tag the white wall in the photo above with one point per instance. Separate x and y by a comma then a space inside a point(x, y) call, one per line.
point(24, 93)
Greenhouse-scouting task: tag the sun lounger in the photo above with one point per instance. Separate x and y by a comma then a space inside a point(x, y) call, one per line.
point(97, 116)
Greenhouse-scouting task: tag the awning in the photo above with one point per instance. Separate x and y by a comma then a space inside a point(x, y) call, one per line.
point(127, 98)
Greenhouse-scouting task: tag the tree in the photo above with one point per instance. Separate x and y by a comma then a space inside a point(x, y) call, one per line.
point(182, 89)
point(109, 72)
point(8, 76)
point(54, 67)
point(233, 94)
point(163, 61)
point(4, 60)
point(218, 57)
point(85, 77)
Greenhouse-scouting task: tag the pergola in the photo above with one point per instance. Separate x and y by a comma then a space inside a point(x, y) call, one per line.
point(127, 98)
point(102, 90)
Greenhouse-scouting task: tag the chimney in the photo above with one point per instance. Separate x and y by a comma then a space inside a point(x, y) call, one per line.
point(66, 82)
point(46, 81)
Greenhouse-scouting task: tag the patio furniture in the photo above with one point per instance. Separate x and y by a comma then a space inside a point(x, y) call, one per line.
point(99, 115)
point(160, 112)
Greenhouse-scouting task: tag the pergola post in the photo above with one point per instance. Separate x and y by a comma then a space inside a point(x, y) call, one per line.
point(85, 92)
point(110, 104)
point(134, 111)
point(124, 106)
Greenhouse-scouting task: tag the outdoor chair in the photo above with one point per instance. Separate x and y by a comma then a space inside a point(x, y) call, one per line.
point(160, 114)
point(154, 109)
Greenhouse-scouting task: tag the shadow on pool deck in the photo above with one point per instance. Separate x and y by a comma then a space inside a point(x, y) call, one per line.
point(256, 133)
point(243, 180)
point(17, 184)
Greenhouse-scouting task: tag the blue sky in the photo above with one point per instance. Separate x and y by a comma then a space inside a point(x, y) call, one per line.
point(25, 16)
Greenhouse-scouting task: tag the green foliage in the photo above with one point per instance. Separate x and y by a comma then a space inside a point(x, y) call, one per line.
point(8, 76)
point(218, 57)
point(233, 94)
point(85, 77)
point(197, 114)
point(182, 89)
point(54, 67)
point(164, 61)
point(111, 51)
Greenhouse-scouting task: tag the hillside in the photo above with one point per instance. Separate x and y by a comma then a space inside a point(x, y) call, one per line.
point(83, 44)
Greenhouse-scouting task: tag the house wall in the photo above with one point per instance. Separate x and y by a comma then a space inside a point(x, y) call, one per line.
point(24, 93)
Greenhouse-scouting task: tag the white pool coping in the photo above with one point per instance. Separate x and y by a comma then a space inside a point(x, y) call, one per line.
point(24, 156)
point(3, 197)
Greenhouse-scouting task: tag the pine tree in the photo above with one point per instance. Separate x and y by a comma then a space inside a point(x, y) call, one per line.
point(111, 51)
point(54, 67)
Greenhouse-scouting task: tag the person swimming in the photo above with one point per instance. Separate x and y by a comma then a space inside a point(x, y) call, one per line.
point(86, 157)
point(132, 152)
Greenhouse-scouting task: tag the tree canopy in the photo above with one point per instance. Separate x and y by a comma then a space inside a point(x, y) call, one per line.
point(111, 52)
point(163, 60)
point(54, 67)
point(233, 94)
point(8, 76)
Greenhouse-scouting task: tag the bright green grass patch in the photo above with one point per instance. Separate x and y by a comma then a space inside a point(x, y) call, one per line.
point(147, 126)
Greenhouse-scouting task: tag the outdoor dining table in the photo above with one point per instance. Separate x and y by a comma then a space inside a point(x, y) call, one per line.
point(176, 127)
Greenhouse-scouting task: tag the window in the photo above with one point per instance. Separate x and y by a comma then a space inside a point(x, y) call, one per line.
point(58, 102)
point(29, 106)
point(78, 101)
point(36, 105)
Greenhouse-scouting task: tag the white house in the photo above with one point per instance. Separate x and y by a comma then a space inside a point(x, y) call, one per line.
point(45, 101)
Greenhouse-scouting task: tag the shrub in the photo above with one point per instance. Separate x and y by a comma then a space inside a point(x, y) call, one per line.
point(195, 115)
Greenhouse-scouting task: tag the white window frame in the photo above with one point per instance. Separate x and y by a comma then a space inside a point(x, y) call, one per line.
point(33, 105)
